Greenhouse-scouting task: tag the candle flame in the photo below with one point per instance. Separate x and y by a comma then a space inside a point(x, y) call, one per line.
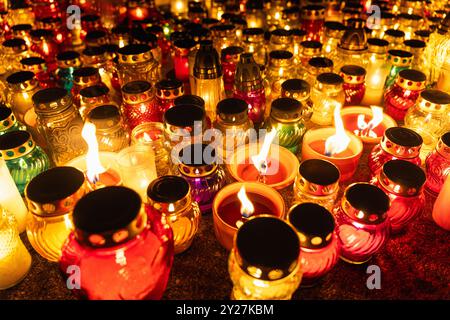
point(260, 160)
point(427, 118)
point(247, 208)
point(340, 140)
point(146, 137)
point(366, 128)
point(93, 165)
point(45, 48)
point(139, 13)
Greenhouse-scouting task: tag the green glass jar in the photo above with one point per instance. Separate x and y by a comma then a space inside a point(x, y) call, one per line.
point(399, 60)
point(8, 122)
point(286, 118)
point(23, 157)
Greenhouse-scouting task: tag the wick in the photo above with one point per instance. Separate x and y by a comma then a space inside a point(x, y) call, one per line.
point(328, 154)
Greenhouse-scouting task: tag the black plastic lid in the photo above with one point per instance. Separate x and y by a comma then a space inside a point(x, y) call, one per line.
point(190, 99)
point(94, 51)
point(194, 155)
point(404, 173)
point(67, 55)
point(231, 51)
point(49, 95)
point(295, 85)
point(41, 33)
point(110, 47)
point(353, 70)
point(387, 15)
point(330, 78)
point(85, 72)
point(319, 172)
point(94, 91)
point(423, 33)
point(135, 87)
point(280, 33)
point(54, 184)
point(253, 31)
point(286, 105)
point(208, 21)
point(105, 111)
point(403, 137)
point(280, 54)
point(168, 84)
point(5, 112)
point(415, 43)
point(320, 62)
point(315, 224)
point(141, 36)
point(168, 189)
point(95, 34)
point(222, 27)
point(22, 27)
point(106, 209)
point(32, 61)
point(232, 106)
point(445, 138)
point(311, 44)
point(184, 43)
point(13, 139)
point(435, 96)
point(394, 33)
point(14, 43)
point(412, 75)
point(184, 115)
point(377, 42)
point(298, 32)
point(334, 25)
point(20, 77)
point(132, 49)
point(367, 198)
point(409, 16)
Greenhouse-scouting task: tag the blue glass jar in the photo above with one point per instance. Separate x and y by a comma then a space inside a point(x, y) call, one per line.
point(23, 157)
point(8, 122)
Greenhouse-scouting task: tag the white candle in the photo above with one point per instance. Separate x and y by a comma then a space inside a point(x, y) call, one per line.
point(10, 197)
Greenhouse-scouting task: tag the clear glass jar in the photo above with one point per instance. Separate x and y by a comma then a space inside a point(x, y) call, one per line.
point(308, 49)
point(419, 61)
point(23, 157)
point(333, 32)
point(51, 197)
point(362, 222)
point(317, 181)
point(429, 118)
point(84, 77)
point(399, 60)
point(13, 50)
point(299, 90)
point(8, 122)
point(68, 62)
point(230, 57)
point(403, 94)
point(281, 40)
point(298, 36)
point(312, 21)
point(171, 197)
point(314, 67)
point(60, 123)
point(409, 23)
point(437, 165)
point(280, 69)
point(286, 117)
point(22, 85)
point(326, 94)
point(255, 277)
point(354, 83)
point(352, 48)
point(41, 72)
point(138, 103)
point(403, 182)
point(387, 21)
point(438, 49)
point(319, 244)
point(204, 175)
point(166, 91)
point(224, 35)
point(397, 143)
point(395, 38)
point(91, 97)
point(111, 131)
point(134, 250)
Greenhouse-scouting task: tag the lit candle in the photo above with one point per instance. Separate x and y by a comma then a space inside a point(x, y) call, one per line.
point(441, 214)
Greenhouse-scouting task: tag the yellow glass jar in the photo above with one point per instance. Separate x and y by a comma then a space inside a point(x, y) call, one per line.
point(314, 67)
point(22, 86)
point(281, 39)
point(395, 38)
point(387, 21)
point(253, 42)
point(12, 51)
point(333, 32)
point(171, 196)
point(281, 68)
point(91, 97)
point(224, 35)
point(265, 267)
point(51, 197)
point(409, 23)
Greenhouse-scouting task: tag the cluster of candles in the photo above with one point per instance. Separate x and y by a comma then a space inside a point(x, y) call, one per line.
point(102, 128)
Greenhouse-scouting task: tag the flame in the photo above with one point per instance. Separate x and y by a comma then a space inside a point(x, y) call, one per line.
point(139, 13)
point(427, 118)
point(366, 129)
point(260, 160)
point(340, 140)
point(94, 167)
point(247, 208)
point(146, 137)
point(45, 48)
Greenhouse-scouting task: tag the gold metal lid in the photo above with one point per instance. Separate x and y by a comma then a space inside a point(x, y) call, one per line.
point(329, 82)
point(193, 164)
point(86, 76)
point(223, 30)
point(68, 59)
point(296, 89)
point(286, 110)
point(318, 177)
point(310, 48)
point(313, 12)
point(443, 146)
point(353, 74)
point(33, 64)
point(280, 36)
point(137, 92)
point(231, 54)
point(91, 56)
point(14, 46)
point(280, 58)
point(401, 142)
point(22, 81)
point(96, 38)
point(134, 53)
point(7, 118)
point(410, 79)
point(51, 101)
point(402, 178)
point(376, 45)
point(169, 89)
point(400, 58)
point(15, 144)
point(434, 101)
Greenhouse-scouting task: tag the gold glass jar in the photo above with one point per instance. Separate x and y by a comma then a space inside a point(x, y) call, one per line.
point(82, 78)
point(60, 123)
point(262, 267)
point(314, 67)
point(91, 97)
point(387, 21)
point(281, 39)
point(22, 85)
point(281, 68)
point(333, 33)
point(409, 23)
point(419, 61)
point(253, 42)
point(171, 196)
point(51, 197)
point(395, 38)
point(13, 50)
point(299, 90)
point(224, 35)
point(290, 18)
point(22, 31)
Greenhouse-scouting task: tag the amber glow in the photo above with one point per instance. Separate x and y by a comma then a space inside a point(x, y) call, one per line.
point(247, 208)
point(93, 164)
point(365, 129)
point(260, 160)
point(338, 142)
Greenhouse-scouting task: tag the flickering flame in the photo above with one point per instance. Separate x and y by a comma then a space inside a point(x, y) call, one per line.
point(338, 142)
point(94, 167)
point(260, 160)
point(366, 128)
point(121, 43)
point(139, 13)
point(427, 118)
point(171, 207)
point(146, 137)
point(247, 208)
point(45, 48)
point(375, 79)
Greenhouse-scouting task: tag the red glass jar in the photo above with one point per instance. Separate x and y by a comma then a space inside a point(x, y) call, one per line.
point(437, 165)
point(122, 250)
point(230, 58)
point(39, 68)
point(138, 103)
point(362, 223)
point(163, 43)
point(55, 24)
point(319, 244)
point(44, 44)
point(354, 84)
point(312, 20)
point(183, 48)
point(397, 143)
point(403, 182)
point(403, 94)
point(166, 93)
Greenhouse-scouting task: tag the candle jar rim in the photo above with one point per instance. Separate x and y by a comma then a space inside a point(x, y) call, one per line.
point(443, 146)
point(190, 99)
point(183, 116)
point(94, 91)
point(402, 177)
point(169, 194)
point(327, 182)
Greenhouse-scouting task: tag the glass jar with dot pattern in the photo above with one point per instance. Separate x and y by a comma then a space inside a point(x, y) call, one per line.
point(8, 122)
point(399, 60)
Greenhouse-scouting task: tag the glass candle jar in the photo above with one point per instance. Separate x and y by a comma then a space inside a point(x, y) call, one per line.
point(387, 21)
point(22, 31)
point(202, 172)
point(299, 90)
point(67, 62)
point(170, 196)
point(8, 122)
point(312, 21)
point(287, 119)
point(82, 78)
point(290, 18)
point(22, 85)
point(280, 69)
point(399, 60)
point(135, 242)
point(253, 275)
point(56, 24)
point(352, 48)
point(23, 157)
point(319, 244)
point(403, 94)
point(165, 94)
point(326, 94)
point(233, 123)
point(403, 182)
point(111, 131)
point(224, 35)
point(208, 77)
point(437, 49)
point(419, 61)
point(354, 84)
point(281, 40)
point(437, 165)
point(362, 222)
point(138, 103)
point(91, 97)
point(314, 67)
point(230, 57)
point(41, 72)
point(298, 36)
point(409, 23)
point(333, 32)
point(308, 49)
point(395, 38)
point(317, 181)
point(255, 15)
point(397, 143)
point(429, 117)
point(51, 197)
point(15, 260)
point(248, 86)
point(190, 99)
point(44, 45)
point(60, 123)
point(13, 50)
point(180, 59)
point(253, 42)
point(136, 62)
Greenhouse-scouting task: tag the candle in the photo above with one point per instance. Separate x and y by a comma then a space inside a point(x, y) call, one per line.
point(10, 197)
point(440, 209)
point(228, 209)
point(438, 165)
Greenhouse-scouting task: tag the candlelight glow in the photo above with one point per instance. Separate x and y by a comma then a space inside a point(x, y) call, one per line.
point(338, 142)
point(247, 208)
point(366, 128)
point(139, 13)
point(93, 165)
point(146, 137)
point(260, 160)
